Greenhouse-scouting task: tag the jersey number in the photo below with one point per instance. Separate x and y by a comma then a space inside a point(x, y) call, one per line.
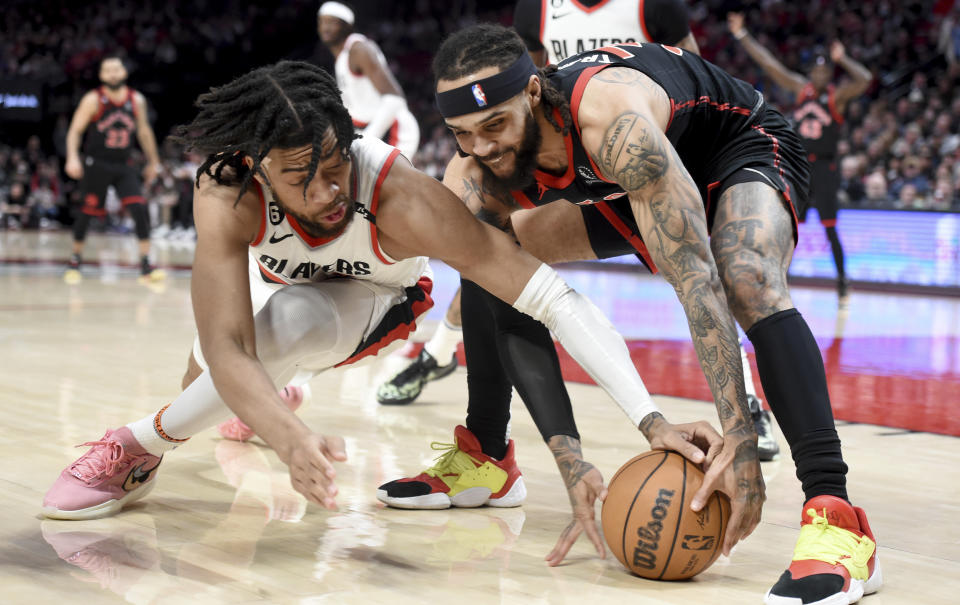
point(117, 138)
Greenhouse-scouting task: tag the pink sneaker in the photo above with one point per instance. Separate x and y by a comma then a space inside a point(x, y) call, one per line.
point(114, 472)
point(237, 430)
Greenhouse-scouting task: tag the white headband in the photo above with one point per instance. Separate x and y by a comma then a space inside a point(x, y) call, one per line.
point(338, 10)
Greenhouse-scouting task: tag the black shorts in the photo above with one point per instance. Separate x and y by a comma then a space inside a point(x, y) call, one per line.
point(824, 184)
point(98, 175)
point(769, 152)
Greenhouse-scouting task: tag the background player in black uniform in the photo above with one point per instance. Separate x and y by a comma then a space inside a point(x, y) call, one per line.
point(817, 116)
point(694, 151)
point(111, 115)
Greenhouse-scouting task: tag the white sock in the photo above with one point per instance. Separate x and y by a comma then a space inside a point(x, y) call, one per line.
point(197, 408)
point(747, 372)
point(444, 342)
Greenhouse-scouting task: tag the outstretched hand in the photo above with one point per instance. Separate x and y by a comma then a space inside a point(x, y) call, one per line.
point(837, 51)
point(311, 470)
point(584, 487)
point(735, 23)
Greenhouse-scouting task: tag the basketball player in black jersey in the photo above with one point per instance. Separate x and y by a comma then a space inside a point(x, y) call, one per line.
point(817, 117)
point(111, 116)
point(707, 180)
point(548, 29)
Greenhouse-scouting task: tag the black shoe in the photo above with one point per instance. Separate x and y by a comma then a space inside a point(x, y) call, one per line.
point(767, 448)
point(406, 386)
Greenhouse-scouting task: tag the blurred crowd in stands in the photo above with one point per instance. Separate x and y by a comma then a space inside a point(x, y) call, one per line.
point(900, 146)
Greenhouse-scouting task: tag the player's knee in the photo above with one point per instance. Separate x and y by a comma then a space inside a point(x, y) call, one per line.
point(755, 285)
point(141, 220)
point(296, 321)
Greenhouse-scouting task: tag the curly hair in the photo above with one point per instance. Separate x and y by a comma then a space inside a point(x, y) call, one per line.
point(487, 45)
point(286, 105)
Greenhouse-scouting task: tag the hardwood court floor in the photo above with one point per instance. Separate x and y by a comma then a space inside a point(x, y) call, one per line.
point(223, 525)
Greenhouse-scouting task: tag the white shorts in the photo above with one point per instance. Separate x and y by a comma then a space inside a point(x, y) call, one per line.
point(375, 319)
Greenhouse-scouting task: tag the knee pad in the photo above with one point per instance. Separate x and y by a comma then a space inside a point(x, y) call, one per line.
point(296, 321)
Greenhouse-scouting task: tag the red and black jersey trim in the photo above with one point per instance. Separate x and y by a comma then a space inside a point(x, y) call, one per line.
point(398, 323)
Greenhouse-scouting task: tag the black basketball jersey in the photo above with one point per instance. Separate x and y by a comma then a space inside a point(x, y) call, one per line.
point(110, 134)
point(709, 108)
point(817, 121)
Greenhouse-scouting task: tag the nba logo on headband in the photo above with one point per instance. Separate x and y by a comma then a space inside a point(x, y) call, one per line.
point(479, 96)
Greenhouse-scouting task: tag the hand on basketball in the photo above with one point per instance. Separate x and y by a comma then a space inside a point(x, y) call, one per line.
point(74, 168)
point(735, 23)
point(698, 442)
point(735, 472)
point(311, 470)
point(837, 51)
point(584, 487)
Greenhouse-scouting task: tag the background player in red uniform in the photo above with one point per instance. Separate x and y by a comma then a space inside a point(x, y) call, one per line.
point(817, 117)
point(111, 116)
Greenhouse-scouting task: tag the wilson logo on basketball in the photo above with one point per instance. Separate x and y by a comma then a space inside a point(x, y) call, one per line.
point(645, 552)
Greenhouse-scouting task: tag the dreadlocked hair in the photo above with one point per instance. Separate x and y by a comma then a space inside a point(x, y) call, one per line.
point(487, 45)
point(286, 105)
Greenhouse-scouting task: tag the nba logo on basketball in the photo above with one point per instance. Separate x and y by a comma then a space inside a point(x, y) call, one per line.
point(479, 96)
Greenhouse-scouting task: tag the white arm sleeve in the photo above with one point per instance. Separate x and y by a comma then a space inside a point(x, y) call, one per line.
point(589, 337)
point(390, 106)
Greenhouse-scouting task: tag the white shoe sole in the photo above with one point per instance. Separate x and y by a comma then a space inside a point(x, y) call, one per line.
point(105, 509)
point(469, 498)
point(857, 590)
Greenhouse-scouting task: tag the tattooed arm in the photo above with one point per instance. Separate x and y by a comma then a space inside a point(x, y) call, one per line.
point(622, 116)
point(584, 485)
point(465, 179)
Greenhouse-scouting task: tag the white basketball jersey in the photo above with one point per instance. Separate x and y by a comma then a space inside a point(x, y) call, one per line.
point(361, 98)
point(568, 27)
point(285, 254)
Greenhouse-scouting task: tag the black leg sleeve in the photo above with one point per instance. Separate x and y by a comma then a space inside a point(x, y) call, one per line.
point(529, 358)
point(489, 389)
point(793, 378)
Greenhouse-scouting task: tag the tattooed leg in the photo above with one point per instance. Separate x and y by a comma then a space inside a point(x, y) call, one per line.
point(752, 242)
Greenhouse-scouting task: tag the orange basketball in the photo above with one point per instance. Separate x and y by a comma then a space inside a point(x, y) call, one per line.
point(647, 520)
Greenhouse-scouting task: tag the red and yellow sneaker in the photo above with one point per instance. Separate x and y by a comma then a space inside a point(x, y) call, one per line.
point(835, 560)
point(463, 476)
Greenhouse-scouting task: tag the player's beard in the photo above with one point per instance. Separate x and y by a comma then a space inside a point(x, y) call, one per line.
point(321, 230)
point(525, 160)
point(115, 85)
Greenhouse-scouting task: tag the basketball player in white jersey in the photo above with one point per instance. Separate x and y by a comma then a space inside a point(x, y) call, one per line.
point(370, 92)
point(556, 29)
point(339, 231)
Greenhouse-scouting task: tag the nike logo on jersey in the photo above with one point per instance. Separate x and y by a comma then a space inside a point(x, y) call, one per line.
point(560, 16)
point(274, 239)
point(138, 476)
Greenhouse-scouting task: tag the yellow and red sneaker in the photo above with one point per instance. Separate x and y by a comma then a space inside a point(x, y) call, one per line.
point(835, 559)
point(463, 476)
